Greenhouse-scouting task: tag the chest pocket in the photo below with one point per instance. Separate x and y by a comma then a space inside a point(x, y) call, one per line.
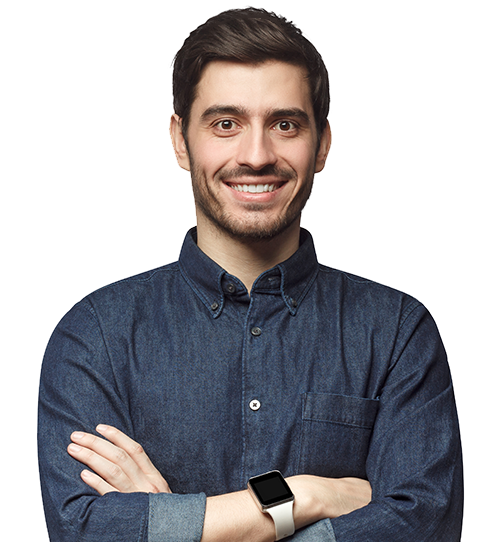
point(335, 436)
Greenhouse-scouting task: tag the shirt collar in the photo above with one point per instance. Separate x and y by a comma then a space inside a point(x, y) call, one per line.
point(290, 279)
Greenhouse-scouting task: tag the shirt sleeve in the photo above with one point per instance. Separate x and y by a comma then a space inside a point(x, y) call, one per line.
point(414, 463)
point(317, 532)
point(77, 391)
point(176, 518)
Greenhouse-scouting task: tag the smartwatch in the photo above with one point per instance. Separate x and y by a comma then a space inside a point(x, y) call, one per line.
point(274, 497)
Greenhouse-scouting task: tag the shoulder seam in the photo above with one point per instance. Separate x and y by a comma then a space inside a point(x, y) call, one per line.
point(349, 276)
point(408, 311)
point(169, 268)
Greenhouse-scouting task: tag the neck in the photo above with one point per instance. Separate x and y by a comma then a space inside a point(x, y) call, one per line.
point(243, 258)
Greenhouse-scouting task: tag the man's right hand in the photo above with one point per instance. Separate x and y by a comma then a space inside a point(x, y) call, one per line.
point(120, 464)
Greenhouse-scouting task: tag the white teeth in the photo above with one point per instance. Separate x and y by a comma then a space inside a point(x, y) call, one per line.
point(254, 188)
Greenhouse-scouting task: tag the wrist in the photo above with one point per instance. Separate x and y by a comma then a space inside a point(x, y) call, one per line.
point(274, 497)
point(309, 507)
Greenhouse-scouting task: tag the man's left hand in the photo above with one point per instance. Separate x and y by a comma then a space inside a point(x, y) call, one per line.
point(119, 463)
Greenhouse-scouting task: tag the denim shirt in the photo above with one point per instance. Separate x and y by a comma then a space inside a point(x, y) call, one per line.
point(316, 371)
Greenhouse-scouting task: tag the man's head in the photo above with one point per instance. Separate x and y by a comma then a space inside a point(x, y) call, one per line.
point(250, 99)
point(248, 36)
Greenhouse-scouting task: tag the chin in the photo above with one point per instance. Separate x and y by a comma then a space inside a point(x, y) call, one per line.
point(253, 230)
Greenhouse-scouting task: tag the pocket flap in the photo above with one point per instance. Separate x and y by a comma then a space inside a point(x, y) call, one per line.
point(348, 410)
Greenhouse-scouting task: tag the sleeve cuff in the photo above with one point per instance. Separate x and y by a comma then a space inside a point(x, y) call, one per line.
point(176, 518)
point(322, 531)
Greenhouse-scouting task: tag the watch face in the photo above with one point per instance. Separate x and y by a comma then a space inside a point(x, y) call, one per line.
point(270, 488)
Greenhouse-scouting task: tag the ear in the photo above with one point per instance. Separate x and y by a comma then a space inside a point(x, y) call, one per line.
point(179, 143)
point(324, 148)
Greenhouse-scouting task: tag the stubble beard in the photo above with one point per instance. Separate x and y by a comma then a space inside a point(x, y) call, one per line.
point(255, 226)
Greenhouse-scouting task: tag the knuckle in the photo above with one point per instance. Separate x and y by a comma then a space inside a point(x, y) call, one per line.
point(91, 440)
point(120, 456)
point(115, 471)
point(86, 454)
point(136, 449)
point(158, 485)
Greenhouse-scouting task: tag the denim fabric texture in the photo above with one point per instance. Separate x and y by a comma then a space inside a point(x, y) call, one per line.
point(317, 371)
point(176, 518)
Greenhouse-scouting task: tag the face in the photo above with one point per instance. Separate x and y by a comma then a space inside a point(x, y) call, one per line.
point(252, 147)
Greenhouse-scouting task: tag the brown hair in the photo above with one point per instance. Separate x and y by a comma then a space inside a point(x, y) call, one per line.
point(248, 35)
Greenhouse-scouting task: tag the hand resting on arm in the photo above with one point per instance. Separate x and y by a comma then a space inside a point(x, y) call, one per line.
point(120, 464)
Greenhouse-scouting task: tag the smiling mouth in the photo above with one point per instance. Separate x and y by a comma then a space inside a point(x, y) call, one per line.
point(256, 188)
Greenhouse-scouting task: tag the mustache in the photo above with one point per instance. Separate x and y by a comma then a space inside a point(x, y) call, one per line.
point(267, 171)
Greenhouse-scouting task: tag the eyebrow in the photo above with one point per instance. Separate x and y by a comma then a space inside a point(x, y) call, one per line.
point(290, 112)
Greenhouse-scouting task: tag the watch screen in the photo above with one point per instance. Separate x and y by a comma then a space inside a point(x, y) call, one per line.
point(270, 488)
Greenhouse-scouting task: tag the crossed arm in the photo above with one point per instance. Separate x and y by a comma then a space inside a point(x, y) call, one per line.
point(120, 464)
point(413, 462)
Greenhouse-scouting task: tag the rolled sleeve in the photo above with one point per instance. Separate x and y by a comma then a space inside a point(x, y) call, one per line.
point(176, 518)
point(317, 532)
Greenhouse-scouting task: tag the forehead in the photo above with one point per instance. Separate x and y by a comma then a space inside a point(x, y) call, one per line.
point(257, 88)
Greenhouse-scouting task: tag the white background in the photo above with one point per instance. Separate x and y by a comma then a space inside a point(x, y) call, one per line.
point(91, 192)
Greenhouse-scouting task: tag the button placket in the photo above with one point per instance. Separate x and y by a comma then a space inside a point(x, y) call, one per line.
point(256, 388)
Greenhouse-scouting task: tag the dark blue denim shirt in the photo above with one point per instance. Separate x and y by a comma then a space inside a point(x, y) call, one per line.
point(316, 372)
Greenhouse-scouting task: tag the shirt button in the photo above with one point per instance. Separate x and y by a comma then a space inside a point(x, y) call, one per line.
point(254, 404)
point(214, 306)
point(256, 331)
point(231, 288)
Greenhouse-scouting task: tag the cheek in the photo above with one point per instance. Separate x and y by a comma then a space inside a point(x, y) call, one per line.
point(211, 157)
point(301, 158)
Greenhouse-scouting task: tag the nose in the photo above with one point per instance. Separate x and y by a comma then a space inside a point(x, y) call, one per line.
point(256, 149)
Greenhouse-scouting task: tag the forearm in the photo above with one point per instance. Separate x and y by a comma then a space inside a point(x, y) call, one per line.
point(120, 465)
point(99, 519)
point(400, 520)
point(236, 517)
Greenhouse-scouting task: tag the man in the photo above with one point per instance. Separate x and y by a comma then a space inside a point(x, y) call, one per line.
point(247, 356)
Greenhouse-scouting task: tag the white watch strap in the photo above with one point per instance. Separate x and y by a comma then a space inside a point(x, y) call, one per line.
point(283, 519)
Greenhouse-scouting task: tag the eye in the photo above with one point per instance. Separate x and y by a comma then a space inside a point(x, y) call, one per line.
point(285, 126)
point(226, 125)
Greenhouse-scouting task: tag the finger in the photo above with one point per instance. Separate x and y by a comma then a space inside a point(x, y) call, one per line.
point(110, 472)
point(96, 482)
point(107, 450)
point(115, 465)
point(130, 446)
point(136, 452)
